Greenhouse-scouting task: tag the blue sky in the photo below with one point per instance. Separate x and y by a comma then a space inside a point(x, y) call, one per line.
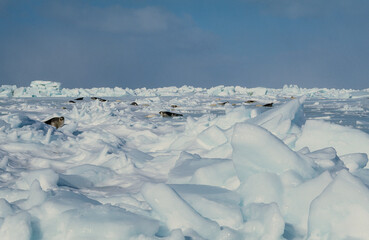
point(157, 43)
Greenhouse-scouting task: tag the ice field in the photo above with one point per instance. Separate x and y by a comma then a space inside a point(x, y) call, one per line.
point(229, 168)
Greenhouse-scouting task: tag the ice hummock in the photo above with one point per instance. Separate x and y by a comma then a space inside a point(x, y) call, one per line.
point(235, 170)
point(41, 88)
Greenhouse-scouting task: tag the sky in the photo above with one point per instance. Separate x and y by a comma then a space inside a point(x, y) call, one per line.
point(200, 43)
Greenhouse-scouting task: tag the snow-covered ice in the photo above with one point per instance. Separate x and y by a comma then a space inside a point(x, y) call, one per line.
point(228, 169)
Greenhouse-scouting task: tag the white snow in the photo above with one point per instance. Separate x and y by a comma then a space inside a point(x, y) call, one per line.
point(344, 139)
point(227, 169)
point(264, 221)
point(341, 210)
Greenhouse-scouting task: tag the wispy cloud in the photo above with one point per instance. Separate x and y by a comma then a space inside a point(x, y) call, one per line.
point(131, 47)
point(308, 8)
point(116, 18)
point(142, 24)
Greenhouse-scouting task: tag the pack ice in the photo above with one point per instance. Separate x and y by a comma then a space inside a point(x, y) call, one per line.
point(222, 171)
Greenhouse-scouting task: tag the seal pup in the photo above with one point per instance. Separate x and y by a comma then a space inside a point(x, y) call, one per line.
point(169, 114)
point(223, 103)
point(150, 115)
point(56, 122)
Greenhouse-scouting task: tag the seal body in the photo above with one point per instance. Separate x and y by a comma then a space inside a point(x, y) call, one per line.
point(265, 105)
point(56, 122)
point(97, 98)
point(268, 105)
point(169, 114)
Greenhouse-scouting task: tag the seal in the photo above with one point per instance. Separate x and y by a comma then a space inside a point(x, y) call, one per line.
point(265, 105)
point(97, 98)
point(268, 105)
point(169, 114)
point(56, 122)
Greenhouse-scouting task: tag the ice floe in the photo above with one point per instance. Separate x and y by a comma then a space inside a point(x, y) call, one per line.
point(238, 170)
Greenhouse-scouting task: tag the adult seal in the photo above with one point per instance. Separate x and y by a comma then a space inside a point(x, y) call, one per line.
point(56, 122)
point(169, 114)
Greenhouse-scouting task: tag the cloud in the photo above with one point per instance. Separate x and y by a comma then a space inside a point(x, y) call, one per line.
point(309, 8)
point(103, 45)
point(140, 24)
point(83, 45)
point(118, 19)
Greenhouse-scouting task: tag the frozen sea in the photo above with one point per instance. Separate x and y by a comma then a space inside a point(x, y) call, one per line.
point(229, 168)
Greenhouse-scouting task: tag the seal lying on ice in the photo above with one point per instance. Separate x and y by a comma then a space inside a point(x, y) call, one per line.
point(170, 114)
point(97, 98)
point(56, 122)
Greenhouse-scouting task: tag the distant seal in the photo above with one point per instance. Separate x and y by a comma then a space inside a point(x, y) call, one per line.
point(79, 99)
point(97, 98)
point(56, 122)
point(265, 105)
point(268, 105)
point(169, 114)
point(134, 104)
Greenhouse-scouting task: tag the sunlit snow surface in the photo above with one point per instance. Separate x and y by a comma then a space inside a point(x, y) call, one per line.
point(236, 170)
